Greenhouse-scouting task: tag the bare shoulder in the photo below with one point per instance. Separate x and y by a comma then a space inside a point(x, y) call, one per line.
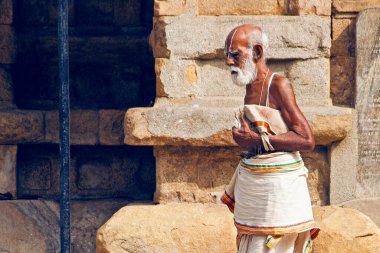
point(282, 89)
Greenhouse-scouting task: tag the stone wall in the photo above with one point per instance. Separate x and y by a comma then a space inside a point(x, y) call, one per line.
point(111, 70)
point(195, 100)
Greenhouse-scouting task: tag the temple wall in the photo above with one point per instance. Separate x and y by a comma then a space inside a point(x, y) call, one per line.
point(153, 104)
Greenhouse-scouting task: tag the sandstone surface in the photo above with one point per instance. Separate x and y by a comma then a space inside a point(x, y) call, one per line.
point(205, 36)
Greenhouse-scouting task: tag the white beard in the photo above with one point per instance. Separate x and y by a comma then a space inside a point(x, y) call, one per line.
point(246, 75)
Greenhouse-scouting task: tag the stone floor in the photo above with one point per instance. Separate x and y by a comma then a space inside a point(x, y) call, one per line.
point(370, 207)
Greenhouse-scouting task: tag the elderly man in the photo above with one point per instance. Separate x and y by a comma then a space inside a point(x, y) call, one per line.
point(268, 193)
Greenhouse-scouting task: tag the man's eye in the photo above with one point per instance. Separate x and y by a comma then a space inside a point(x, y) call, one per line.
point(235, 55)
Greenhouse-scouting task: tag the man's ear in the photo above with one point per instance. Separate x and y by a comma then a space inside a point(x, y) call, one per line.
point(257, 52)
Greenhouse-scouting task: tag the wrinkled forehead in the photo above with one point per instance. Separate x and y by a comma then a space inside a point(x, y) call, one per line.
point(236, 39)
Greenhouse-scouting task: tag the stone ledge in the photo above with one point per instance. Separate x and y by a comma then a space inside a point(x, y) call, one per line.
point(242, 7)
point(88, 127)
point(203, 123)
point(353, 6)
point(209, 228)
point(205, 36)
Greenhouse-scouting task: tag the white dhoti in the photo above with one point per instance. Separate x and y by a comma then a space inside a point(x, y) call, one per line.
point(269, 197)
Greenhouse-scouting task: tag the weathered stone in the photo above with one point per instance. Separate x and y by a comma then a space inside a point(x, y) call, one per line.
point(34, 224)
point(329, 124)
point(343, 166)
point(111, 127)
point(174, 7)
point(307, 7)
point(83, 127)
point(345, 230)
point(127, 12)
point(87, 217)
point(343, 80)
point(203, 172)
point(343, 36)
point(29, 224)
point(209, 228)
point(284, 43)
point(205, 123)
point(241, 7)
point(202, 176)
point(182, 228)
point(369, 207)
point(159, 63)
point(7, 45)
point(318, 180)
point(6, 89)
point(107, 176)
point(6, 12)
point(368, 102)
point(38, 171)
point(21, 126)
point(211, 78)
point(96, 172)
point(353, 6)
point(8, 169)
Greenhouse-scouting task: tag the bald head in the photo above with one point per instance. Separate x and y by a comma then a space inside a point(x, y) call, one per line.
point(247, 35)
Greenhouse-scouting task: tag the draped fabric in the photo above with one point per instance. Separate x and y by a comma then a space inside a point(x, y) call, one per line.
point(268, 195)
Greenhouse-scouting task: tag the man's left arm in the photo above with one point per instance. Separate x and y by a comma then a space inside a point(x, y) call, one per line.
point(298, 138)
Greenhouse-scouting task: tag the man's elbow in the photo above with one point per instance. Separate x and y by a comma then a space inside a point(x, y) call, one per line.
point(309, 144)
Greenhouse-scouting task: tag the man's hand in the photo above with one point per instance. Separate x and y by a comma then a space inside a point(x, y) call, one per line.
point(244, 136)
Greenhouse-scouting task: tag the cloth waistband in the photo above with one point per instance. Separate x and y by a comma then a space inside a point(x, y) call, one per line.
point(274, 162)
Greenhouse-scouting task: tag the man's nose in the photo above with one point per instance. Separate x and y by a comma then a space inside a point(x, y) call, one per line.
point(229, 61)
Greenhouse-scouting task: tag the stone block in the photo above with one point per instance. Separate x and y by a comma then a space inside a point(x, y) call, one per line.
point(127, 12)
point(34, 224)
point(29, 224)
point(192, 174)
point(241, 7)
point(369, 207)
point(87, 217)
point(203, 174)
point(174, 7)
point(7, 45)
point(21, 126)
point(6, 88)
point(182, 228)
point(283, 32)
point(6, 12)
point(343, 36)
point(343, 80)
point(95, 172)
point(8, 169)
point(200, 122)
point(111, 127)
point(84, 127)
point(307, 7)
point(367, 102)
point(318, 181)
point(38, 171)
point(211, 78)
point(134, 228)
point(345, 230)
point(352, 5)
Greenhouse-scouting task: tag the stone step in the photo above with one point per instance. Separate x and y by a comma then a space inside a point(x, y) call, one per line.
point(202, 123)
point(181, 227)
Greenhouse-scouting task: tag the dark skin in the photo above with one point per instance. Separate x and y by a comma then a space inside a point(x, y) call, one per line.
point(281, 97)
